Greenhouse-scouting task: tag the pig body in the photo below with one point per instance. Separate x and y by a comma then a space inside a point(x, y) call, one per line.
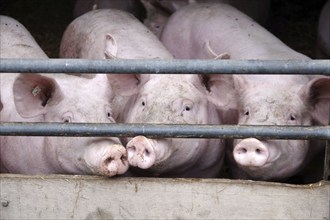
point(225, 26)
point(323, 33)
point(132, 6)
point(206, 30)
point(159, 11)
point(149, 98)
point(53, 98)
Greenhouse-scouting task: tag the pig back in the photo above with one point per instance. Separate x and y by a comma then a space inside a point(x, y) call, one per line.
point(214, 29)
point(323, 33)
point(86, 37)
point(16, 41)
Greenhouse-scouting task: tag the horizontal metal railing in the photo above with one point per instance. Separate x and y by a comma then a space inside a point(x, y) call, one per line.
point(164, 130)
point(297, 67)
point(311, 67)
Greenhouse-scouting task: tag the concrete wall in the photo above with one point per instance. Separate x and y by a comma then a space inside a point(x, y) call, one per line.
point(92, 197)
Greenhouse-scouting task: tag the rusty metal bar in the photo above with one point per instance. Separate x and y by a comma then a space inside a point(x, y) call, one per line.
point(311, 67)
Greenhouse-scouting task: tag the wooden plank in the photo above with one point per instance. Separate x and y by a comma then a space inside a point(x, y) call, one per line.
point(92, 197)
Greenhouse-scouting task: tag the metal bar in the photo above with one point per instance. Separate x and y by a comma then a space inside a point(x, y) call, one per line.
point(310, 67)
point(326, 170)
point(164, 130)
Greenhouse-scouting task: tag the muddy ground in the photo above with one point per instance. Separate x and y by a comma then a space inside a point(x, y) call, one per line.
point(293, 21)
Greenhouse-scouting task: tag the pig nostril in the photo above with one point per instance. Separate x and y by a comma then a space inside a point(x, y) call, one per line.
point(108, 160)
point(258, 151)
point(131, 149)
point(147, 153)
point(123, 158)
point(242, 151)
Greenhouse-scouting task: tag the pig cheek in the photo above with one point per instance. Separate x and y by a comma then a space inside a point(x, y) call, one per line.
point(285, 159)
point(297, 152)
point(61, 153)
point(170, 154)
point(183, 152)
point(136, 114)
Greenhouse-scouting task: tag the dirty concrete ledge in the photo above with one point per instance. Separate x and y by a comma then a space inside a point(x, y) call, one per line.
point(93, 197)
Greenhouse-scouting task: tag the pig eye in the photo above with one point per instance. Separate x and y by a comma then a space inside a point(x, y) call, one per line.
point(292, 117)
point(143, 103)
point(246, 112)
point(187, 108)
point(67, 117)
point(108, 111)
point(186, 105)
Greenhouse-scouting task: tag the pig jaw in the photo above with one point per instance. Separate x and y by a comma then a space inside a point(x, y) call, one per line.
point(270, 160)
point(109, 159)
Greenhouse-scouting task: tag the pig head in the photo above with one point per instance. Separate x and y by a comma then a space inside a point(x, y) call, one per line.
point(64, 99)
point(279, 100)
point(170, 99)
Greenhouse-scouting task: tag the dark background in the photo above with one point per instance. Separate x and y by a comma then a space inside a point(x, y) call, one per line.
point(292, 21)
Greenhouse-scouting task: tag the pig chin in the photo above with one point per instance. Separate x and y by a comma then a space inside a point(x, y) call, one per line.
point(284, 159)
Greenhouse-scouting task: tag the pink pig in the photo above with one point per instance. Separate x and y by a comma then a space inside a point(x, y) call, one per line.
point(171, 99)
point(54, 98)
point(204, 31)
point(153, 98)
point(279, 100)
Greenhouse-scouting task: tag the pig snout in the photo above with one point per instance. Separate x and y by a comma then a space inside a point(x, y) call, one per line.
point(107, 160)
point(114, 162)
point(251, 153)
point(141, 152)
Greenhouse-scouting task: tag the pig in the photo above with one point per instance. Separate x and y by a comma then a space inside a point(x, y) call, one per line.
point(54, 98)
point(323, 33)
point(150, 98)
point(110, 34)
point(158, 11)
point(202, 32)
point(172, 99)
point(279, 100)
point(132, 6)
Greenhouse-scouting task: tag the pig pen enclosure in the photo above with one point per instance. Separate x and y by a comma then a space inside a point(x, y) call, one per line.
point(94, 197)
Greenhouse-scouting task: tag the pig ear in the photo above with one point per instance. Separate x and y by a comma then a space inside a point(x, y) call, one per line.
point(222, 91)
point(33, 93)
point(317, 93)
point(110, 48)
point(240, 83)
point(126, 84)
